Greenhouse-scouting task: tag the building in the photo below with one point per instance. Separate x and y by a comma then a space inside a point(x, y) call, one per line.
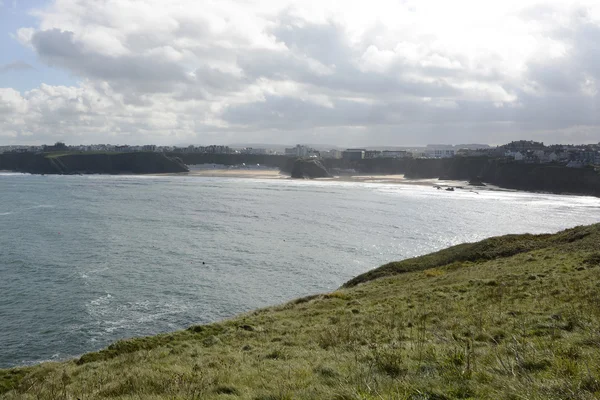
point(353, 154)
point(588, 157)
point(255, 151)
point(395, 154)
point(440, 153)
point(548, 157)
point(372, 154)
point(331, 154)
point(518, 156)
point(300, 151)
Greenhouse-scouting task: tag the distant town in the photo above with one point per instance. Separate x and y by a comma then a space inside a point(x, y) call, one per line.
point(524, 151)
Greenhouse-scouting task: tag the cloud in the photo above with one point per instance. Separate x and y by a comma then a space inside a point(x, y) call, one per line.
point(379, 72)
point(15, 66)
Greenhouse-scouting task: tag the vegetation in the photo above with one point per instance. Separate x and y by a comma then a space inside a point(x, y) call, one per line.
point(56, 154)
point(515, 317)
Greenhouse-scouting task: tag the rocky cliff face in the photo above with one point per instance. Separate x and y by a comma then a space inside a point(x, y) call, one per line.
point(533, 177)
point(105, 163)
point(544, 177)
point(308, 169)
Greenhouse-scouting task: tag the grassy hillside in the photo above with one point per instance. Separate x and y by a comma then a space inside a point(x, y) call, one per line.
point(515, 317)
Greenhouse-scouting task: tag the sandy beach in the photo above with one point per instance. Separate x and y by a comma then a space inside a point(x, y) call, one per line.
point(267, 173)
point(381, 179)
point(237, 173)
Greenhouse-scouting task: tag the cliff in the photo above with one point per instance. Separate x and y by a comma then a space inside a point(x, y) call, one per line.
point(275, 161)
point(308, 169)
point(551, 178)
point(91, 163)
point(505, 318)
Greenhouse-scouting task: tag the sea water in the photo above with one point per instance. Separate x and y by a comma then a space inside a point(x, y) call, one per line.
point(87, 260)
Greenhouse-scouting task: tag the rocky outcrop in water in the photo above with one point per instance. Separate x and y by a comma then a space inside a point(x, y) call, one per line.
point(309, 169)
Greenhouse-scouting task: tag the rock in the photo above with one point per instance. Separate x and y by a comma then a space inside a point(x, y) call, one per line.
point(248, 328)
point(309, 169)
point(477, 181)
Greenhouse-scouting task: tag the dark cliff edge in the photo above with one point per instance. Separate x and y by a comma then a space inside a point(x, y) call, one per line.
point(91, 163)
point(551, 178)
point(309, 169)
point(267, 160)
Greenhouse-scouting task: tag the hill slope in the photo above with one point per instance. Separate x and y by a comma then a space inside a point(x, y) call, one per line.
point(91, 163)
point(515, 317)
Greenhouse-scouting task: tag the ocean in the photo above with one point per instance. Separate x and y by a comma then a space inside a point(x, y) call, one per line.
point(87, 260)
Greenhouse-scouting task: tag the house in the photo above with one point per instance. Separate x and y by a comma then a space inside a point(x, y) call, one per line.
point(517, 155)
point(574, 164)
point(299, 151)
point(394, 154)
point(548, 157)
point(372, 154)
point(353, 154)
point(440, 153)
point(331, 154)
point(539, 154)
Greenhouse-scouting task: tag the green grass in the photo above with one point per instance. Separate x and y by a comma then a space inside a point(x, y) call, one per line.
point(515, 317)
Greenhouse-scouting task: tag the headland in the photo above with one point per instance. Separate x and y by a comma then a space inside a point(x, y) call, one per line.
point(91, 163)
point(483, 171)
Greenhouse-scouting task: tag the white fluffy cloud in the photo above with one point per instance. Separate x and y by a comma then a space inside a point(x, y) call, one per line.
point(353, 72)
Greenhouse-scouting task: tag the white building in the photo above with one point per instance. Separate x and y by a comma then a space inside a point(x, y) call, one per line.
point(440, 153)
point(256, 151)
point(394, 154)
point(331, 154)
point(298, 151)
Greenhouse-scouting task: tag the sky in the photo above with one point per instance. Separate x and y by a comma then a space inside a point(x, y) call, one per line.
point(351, 73)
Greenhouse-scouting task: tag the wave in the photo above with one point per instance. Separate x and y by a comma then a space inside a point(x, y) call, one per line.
point(13, 174)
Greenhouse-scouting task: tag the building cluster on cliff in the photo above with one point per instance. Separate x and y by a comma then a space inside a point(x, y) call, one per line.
point(575, 156)
point(522, 151)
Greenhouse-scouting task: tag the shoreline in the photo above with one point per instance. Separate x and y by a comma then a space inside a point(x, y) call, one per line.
point(276, 174)
point(392, 179)
point(386, 179)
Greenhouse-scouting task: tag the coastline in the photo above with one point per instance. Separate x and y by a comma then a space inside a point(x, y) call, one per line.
point(394, 179)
